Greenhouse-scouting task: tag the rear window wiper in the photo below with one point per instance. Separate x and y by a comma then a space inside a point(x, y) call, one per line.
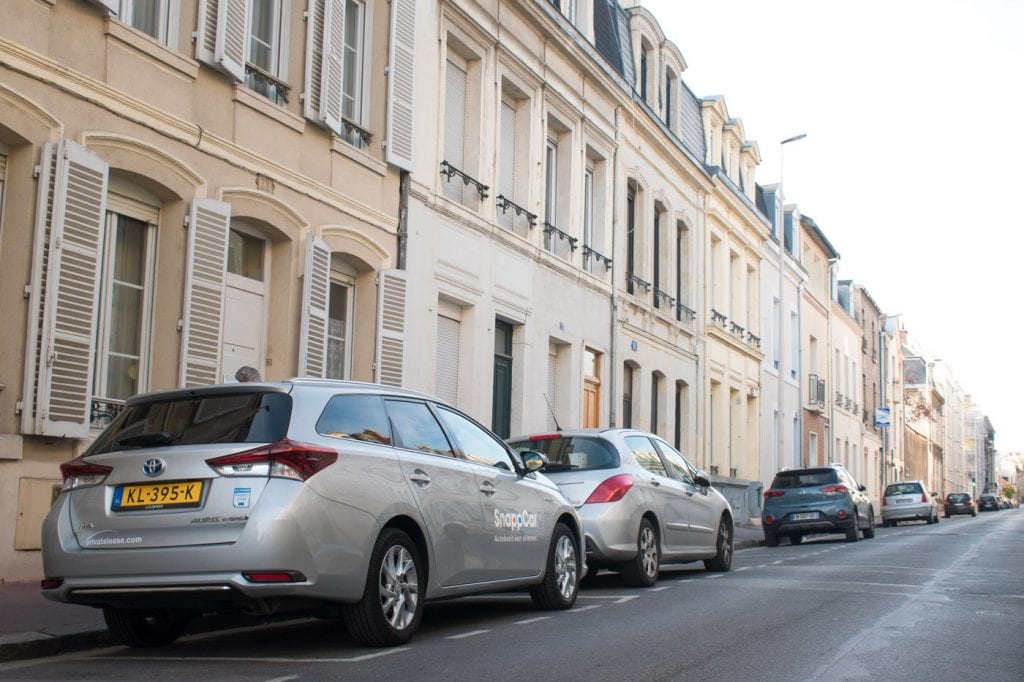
point(150, 438)
point(559, 466)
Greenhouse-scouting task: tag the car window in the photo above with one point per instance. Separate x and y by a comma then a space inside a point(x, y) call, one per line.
point(903, 489)
point(476, 444)
point(355, 417)
point(576, 453)
point(677, 465)
point(416, 428)
point(958, 497)
point(646, 455)
point(802, 479)
point(249, 417)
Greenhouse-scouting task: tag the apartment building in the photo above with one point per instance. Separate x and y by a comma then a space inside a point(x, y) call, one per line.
point(869, 316)
point(184, 192)
point(893, 436)
point(845, 413)
point(819, 259)
point(924, 410)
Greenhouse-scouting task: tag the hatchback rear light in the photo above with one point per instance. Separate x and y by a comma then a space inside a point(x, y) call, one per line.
point(284, 459)
point(885, 500)
point(612, 489)
point(924, 498)
point(837, 488)
point(841, 513)
point(769, 520)
point(78, 473)
point(774, 493)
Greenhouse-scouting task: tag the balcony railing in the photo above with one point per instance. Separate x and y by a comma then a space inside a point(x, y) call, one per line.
point(449, 171)
point(266, 84)
point(103, 410)
point(718, 318)
point(754, 339)
point(684, 311)
point(634, 283)
point(504, 203)
point(552, 231)
point(737, 329)
point(589, 253)
point(356, 135)
point(662, 297)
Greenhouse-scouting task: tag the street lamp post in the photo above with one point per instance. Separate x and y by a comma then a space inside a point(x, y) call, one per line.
point(781, 224)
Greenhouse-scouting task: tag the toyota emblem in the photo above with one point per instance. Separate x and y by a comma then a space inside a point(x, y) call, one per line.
point(153, 467)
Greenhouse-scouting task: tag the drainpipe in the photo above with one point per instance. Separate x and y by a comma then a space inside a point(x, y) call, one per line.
point(613, 304)
point(403, 217)
point(800, 372)
point(831, 376)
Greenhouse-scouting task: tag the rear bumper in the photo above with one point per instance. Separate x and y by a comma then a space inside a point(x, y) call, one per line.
point(828, 521)
point(611, 532)
point(906, 512)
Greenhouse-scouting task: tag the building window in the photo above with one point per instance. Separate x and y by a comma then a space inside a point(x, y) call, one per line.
point(644, 50)
point(627, 396)
point(352, 108)
point(501, 397)
point(245, 255)
point(776, 333)
point(339, 327)
point(794, 347)
point(669, 94)
point(455, 124)
point(655, 405)
point(155, 18)
point(550, 191)
point(124, 330)
point(591, 388)
point(630, 239)
point(588, 215)
point(266, 66)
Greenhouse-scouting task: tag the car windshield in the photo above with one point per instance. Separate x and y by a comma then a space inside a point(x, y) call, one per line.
point(575, 453)
point(803, 479)
point(903, 489)
point(250, 417)
point(959, 497)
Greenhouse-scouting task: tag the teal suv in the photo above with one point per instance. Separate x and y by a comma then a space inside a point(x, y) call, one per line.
point(816, 500)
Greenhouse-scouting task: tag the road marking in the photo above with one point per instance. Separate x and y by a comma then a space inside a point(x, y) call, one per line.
point(284, 679)
point(531, 620)
point(585, 608)
point(619, 597)
point(717, 575)
point(776, 563)
point(623, 600)
point(745, 568)
point(659, 588)
point(464, 635)
point(250, 659)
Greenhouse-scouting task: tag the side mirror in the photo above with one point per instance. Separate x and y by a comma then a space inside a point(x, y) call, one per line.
point(533, 460)
point(862, 488)
point(701, 478)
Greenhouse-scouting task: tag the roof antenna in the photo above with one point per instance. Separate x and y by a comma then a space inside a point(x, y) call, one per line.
point(552, 411)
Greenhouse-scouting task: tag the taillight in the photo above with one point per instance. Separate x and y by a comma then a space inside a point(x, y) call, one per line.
point(51, 583)
point(841, 513)
point(78, 473)
point(284, 459)
point(774, 493)
point(273, 576)
point(612, 489)
point(837, 488)
point(924, 498)
point(884, 500)
point(769, 520)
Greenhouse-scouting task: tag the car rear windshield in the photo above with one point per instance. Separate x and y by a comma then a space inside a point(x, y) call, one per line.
point(804, 479)
point(249, 417)
point(571, 453)
point(959, 497)
point(903, 489)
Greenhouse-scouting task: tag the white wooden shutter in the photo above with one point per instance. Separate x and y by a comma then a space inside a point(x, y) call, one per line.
point(454, 126)
point(70, 220)
point(446, 371)
point(223, 35)
point(325, 50)
point(391, 327)
point(202, 320)
point(401, 83)
point(316, 287)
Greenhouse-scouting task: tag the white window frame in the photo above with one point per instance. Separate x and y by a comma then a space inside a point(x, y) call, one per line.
point(168, 13)
point(348, 283)
point(130, 208)
point(359, 94)
point(550, 190)
point(588, 214)
point(278, 70)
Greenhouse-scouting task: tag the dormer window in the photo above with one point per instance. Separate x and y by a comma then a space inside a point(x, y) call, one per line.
point(669, 94)
point(643, 73)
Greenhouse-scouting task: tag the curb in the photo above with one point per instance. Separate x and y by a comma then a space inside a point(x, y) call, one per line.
point(18, 646)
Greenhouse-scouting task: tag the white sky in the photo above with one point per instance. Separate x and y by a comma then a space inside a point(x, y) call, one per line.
point(912, 161)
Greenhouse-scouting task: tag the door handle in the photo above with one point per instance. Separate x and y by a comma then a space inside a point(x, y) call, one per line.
point(655, 482)
point(420, 478)
point(487, 488)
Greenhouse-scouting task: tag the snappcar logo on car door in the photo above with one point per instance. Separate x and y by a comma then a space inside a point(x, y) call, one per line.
point(515, 522)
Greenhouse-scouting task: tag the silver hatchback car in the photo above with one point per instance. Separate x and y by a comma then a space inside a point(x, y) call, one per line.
point(335, 497)
point(643, 504)
point(909, 501)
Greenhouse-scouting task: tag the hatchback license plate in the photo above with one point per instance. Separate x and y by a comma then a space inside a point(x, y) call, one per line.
point(804, 516)
point(157, 495)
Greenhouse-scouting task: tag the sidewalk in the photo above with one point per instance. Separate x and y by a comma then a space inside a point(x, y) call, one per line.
point(32, 626)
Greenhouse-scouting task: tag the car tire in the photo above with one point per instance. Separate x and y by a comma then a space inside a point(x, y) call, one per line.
point(892, 524)
point(392, 605)
point(642, 570)
point(853, 533)
point(139, 628)
point(561, 581)
point(869, 531)
point(796, 539)
point(973, 514)
point(722, 561)
point(771, 539)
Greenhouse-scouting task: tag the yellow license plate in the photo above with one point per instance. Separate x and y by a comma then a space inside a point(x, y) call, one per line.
point(157, 495)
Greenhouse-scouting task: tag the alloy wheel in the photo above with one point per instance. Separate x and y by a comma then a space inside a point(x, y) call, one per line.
point(649, 550)
point(566, 567)
point(399, 587)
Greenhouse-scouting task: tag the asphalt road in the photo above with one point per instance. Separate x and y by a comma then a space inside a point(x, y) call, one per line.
point(917, 602)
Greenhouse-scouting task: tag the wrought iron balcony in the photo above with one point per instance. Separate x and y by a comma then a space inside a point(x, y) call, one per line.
point(589, 253)
point(634, 283)
point(737, 329)
point(550, 230)
point(449, 171)
point(266, 84)
point(754, 339)
point(682, 310)
point(661, 297)
point(356, 134)
point(504, 203)
point(718, 318)
point(103, 411)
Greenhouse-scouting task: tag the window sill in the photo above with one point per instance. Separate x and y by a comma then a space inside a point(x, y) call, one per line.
point(153, 49)
point(260, 104)
point(343, 148)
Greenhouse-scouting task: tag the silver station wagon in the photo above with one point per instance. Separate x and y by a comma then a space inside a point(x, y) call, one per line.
point(332, 497)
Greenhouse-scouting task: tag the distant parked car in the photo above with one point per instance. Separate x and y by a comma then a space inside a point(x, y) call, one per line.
point(823, 499)
point(988, 502)
point(1004, 503)
point(642, 503)
point(909, 501)
point(959, 503)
